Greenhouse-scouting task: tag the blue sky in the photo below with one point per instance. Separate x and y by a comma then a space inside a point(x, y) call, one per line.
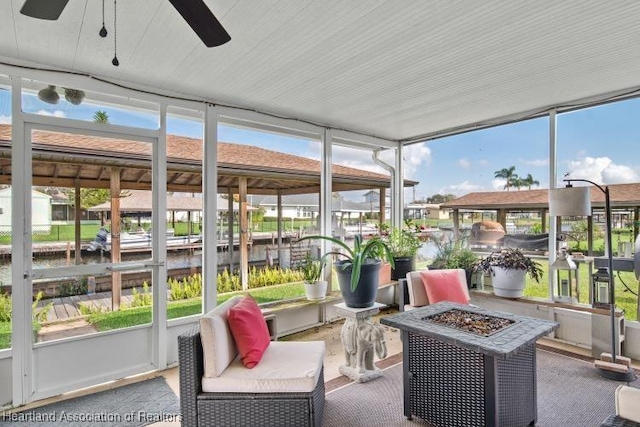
point(598, 144)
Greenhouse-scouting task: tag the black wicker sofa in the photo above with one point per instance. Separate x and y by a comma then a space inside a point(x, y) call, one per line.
point(267, 403)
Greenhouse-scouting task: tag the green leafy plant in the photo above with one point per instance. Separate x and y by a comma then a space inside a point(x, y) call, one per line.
point(39, 313)
point(311, 269)
point(402, 242)
point(509, 258)
point(141, 299)
point(356, 256)
point(463, 258)
point(452, 252)
point(188, 287)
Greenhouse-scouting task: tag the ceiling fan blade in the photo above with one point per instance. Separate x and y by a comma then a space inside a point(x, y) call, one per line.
point(43, 9)
point(202, 21)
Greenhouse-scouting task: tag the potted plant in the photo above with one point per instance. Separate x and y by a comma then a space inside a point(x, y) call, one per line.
point(311, 269)
point(358, 271)
point(508, 268)
point(454, 253)
point(404, 245)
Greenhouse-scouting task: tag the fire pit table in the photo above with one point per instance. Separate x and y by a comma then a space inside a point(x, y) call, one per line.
point(469, 366)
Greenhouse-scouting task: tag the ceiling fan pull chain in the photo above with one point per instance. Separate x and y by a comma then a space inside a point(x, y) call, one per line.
point(115, 61)
point(103, 31)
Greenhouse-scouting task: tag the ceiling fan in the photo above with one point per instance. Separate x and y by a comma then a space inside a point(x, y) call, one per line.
point(195, 12)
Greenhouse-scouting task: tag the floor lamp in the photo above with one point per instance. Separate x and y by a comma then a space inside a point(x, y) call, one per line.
point(576, 201)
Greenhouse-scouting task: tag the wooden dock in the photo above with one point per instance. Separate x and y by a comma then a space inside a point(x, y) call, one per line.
point(67, 308)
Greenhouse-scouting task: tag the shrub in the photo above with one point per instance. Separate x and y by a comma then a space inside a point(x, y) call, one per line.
point(188, 287)
point(143, 299)
point(39, 314)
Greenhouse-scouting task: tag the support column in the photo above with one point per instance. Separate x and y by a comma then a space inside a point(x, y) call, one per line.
point(116, 276)
point(590, 234)
point(543, 220)
point(383, 207)
point(210, 210)
point(76, 222)
point(553, 183)
point(501, 217)
point(326, 198)
point(243, 240)
point(398, 196)
point(456, 223)
point(279, 228)
point(230, 220)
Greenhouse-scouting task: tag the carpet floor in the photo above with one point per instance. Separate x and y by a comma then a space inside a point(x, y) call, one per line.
point(132, 405)
point(570, 394)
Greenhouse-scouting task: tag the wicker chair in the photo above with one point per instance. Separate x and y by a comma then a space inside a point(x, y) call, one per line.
point(200, 408)
point(627, 399)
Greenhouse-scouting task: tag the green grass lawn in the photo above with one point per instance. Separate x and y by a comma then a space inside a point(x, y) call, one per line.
point(175, 309)
point(625, 299)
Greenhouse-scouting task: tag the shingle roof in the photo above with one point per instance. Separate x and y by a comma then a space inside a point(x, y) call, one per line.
point(621, 195)
point(63, 157)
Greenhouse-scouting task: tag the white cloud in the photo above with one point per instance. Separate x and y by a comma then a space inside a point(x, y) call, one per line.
point(498, 183)
point(536, 162)
point(602, 170)
point(360, 159)
point(484, 162)
point(56, 113)
point(464, 163)
point(415, 157)
point(461, 188)
point(5, 120)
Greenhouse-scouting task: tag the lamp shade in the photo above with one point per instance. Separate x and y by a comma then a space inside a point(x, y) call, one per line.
point(49, 95)
point(564, 262)
point(571, 201)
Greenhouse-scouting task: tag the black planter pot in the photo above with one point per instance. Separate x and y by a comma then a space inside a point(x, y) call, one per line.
point(403, 265)
point(365, 294)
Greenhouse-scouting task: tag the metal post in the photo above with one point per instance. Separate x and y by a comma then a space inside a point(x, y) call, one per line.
point(612, 297)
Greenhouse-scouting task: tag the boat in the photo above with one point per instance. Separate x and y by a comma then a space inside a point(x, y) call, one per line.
point(139, 241)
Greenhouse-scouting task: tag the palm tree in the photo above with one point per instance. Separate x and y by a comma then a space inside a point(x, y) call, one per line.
point(508, 174)
point(529, 181)
point(101, 117)
point(516, 182)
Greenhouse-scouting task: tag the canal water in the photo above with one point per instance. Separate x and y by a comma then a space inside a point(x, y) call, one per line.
point(258, 254)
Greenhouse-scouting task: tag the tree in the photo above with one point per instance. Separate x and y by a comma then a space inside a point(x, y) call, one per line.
point(101, 117)
point(507, 174)
point(529, 181)
point(516, 182)
point(90, 197)
point(440, 198)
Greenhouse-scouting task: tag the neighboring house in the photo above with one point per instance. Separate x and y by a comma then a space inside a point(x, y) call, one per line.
point(40, 212)
point(306, 206)
point(296, 206)
point(426, 210)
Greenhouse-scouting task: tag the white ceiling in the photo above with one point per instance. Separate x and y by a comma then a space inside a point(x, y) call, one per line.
point(401, 70)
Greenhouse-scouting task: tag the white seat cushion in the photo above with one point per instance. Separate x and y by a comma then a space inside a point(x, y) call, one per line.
point(628, 403)
point(286, 366)
point(218, 346)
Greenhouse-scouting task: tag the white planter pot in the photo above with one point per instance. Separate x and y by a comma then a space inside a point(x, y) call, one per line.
point(508, 282)
point(316, 291)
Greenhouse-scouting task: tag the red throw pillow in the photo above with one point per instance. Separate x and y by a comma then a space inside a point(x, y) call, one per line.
point(249, 330)
point(444, 285)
